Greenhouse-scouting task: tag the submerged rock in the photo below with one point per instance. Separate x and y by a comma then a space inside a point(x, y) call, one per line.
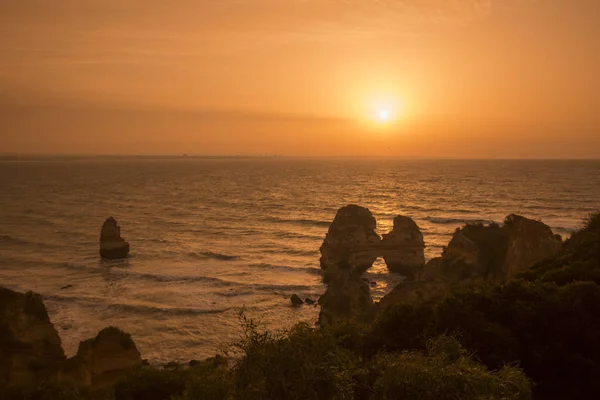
point(403, 249)
point(30, 348)
point(296, 300)
point(112, 245)
point(352, 239)
point(101, 361)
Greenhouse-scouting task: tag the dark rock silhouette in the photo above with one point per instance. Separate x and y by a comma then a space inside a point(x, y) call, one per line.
point(31, 351)
point(494, 252)
point(296, 300)
point(30, 348)
point(528, 243)
point(346, 297)
point(351, 238)
point(350, 248)
point(432, 270)
point(480, 252)
point(403, 249)
point(112, 245)
point(101, 361)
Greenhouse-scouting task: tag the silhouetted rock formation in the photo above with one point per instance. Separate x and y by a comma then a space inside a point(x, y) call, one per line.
point(410, 291)
point(296, 300)
point(112, 245)
point(31, 352)
point(350, 248)
point(432, 270)
point(351, 238)
point(30, 348)
point(496, 252)
point(347, 297)
point(529, 242)
point(101, 361)
point(480, 253)
point(403, 249)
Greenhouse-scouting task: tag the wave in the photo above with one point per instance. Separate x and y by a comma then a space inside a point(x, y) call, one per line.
point(272, 267)
point(299, 221)
point(449, 220)
point(213, 255)
point(289, 251)
point(176, 278)
point(562, 229)
point(134, 308)
point(215, 282)
point(435, 209)
point(7, 239)
point(293, 235)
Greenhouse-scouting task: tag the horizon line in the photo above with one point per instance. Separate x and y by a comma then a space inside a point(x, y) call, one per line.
point(20, 156)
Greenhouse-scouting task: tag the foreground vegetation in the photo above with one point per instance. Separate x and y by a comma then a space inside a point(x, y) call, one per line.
point(536, 336)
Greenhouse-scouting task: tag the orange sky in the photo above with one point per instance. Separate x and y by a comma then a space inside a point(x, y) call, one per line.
point(462, 78)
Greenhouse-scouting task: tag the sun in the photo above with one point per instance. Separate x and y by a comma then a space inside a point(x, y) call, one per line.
point(383, 115)
point(385, 111)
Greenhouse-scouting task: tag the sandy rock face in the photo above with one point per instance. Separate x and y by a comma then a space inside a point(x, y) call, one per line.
point(352, 239)
point(30, 348)
point(102, 361)
point(529, 242)
point(112, 245)
point(403, 249)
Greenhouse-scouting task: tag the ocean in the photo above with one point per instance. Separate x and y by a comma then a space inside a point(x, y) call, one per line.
point(213, 236)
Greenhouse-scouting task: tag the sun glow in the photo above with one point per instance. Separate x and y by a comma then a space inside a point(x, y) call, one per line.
point(385, 111)
point(384, 114)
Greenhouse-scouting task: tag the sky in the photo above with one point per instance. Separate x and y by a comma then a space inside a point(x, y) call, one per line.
point(386, 78)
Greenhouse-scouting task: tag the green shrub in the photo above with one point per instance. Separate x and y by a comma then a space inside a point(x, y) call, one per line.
point(210, 380)
point(149, 383)
point(551, 331)
point(444, 372)
point(302, 363)
point(50, 391)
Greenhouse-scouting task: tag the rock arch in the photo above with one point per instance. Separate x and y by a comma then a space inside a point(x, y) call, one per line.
point(352, 245)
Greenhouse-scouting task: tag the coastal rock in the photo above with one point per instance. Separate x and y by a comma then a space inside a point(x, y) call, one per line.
point(347, 297)
point(351, 238)
point(403, 249)
point(112, 245)
point(101, 361)
point(497, 253)
point(411, 291)
point(529, 242)
point(432, 271)
point(460, 258)
point(30, 348)
point(296, 300)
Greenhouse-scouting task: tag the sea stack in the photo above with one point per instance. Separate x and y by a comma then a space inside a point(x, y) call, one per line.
point(403, 249)
point(112, 245)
